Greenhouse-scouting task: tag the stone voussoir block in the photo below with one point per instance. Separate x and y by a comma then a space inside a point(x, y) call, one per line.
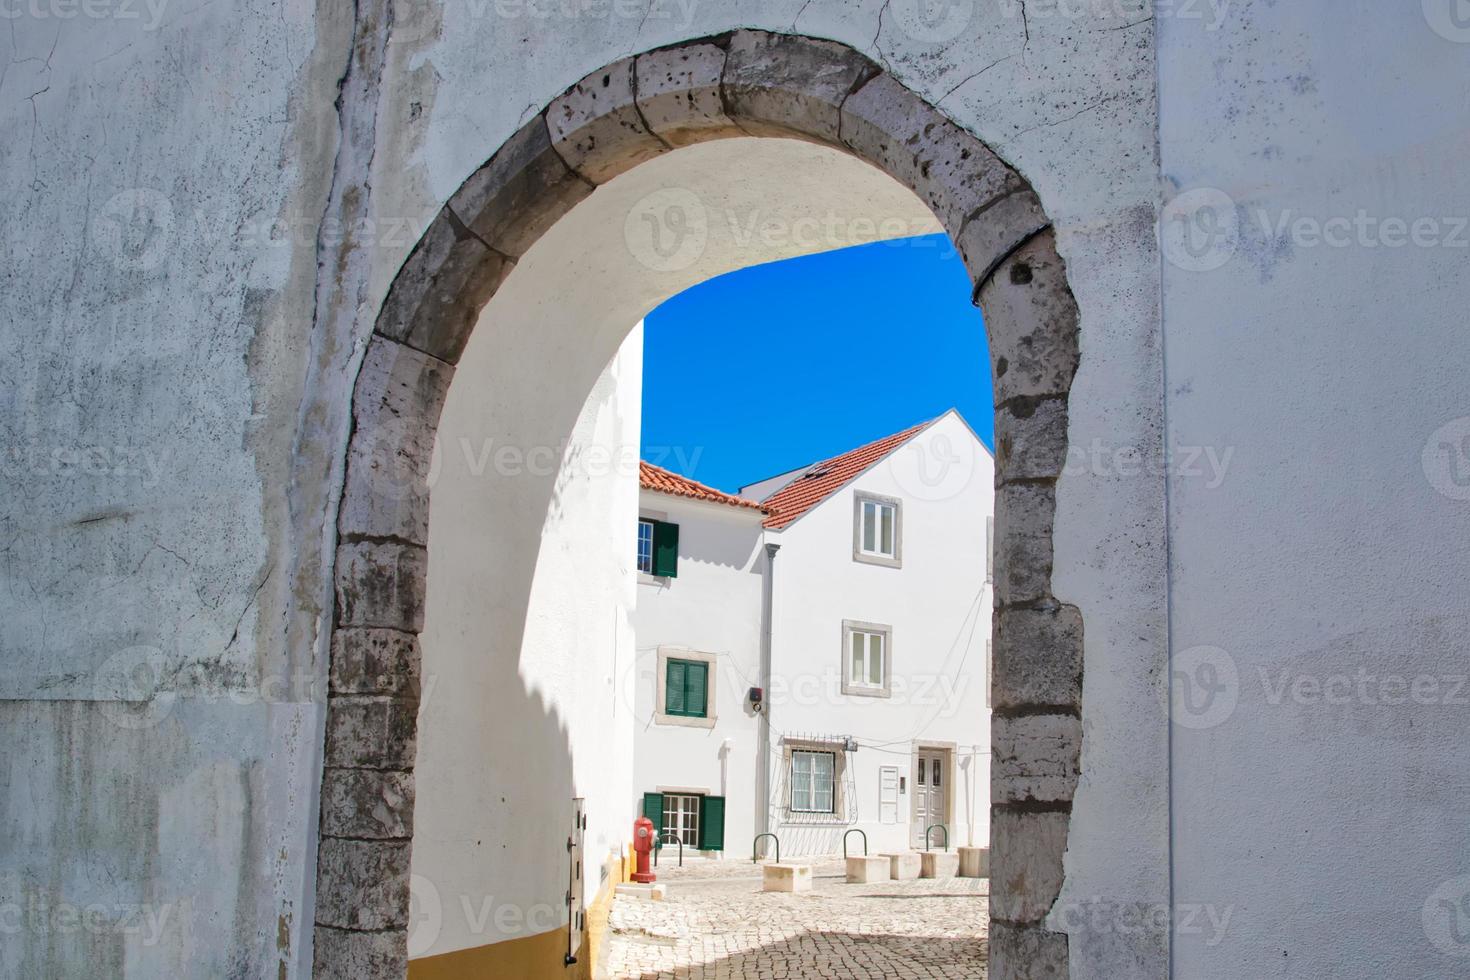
point(1034, 758)
point(520, 192)
point(1038, 657)
point(596, 128)
point(679, 94)
point(1026, 853)
point(339, 954)
point(375, 661)
point(783, 85)
point(438, 294)
point(992, 234)
point(1024, 517)
point(381, 583)
point(1031, 439)
point(1031, 320)
point(362, 884)
point(372, 732)
point(395, 409)
point(1026, 953)
point(367, 803)
point(950, 170)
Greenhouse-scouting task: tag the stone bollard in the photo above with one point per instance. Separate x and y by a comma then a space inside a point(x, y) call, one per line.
point(862, 869)
point(974, 862)
point(786, 878)
point(938, 864)
point(903, 866)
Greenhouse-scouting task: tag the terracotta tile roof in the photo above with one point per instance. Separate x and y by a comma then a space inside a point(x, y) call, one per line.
point(660, 480)
point(822, 480)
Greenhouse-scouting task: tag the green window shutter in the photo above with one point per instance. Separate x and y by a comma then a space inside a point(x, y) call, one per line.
point(653, 809)
point(712, 823)
point(674, 687)
point(696, 685)
point(665, 549)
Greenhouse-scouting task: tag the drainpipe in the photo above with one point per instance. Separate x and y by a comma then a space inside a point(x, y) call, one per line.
point(763, 731)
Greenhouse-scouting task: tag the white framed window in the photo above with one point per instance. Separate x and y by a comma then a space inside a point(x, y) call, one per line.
point(813, 781)
point(645, 547)
point(866, 658)
point(681, 819)
point(877, 529)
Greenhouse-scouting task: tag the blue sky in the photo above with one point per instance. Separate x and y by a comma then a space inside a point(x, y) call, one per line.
point(775, 366)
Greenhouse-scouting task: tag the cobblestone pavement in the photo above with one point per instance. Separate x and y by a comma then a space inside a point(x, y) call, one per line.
point(716, 923)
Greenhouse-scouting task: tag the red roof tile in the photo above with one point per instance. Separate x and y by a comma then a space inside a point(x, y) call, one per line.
point(822, 480)
point(660, 480)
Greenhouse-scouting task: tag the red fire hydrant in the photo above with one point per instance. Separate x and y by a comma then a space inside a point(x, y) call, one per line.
point(643, 841)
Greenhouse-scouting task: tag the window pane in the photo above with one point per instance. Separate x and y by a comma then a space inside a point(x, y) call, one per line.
point(869, 531)
point(921, 772)
point(887, 537)
point(875, 659)
point(935, 777)
point(855, 675)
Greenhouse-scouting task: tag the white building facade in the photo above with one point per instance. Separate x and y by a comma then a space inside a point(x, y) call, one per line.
point(864, 588)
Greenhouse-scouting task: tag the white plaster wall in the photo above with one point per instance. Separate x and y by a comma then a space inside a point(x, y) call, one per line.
point(938, 604)
point(521, 710)
point(1324, 814)
point(712, 606)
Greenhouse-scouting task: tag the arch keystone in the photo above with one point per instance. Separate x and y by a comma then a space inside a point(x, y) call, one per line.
point(679, 94)
point(783, 85)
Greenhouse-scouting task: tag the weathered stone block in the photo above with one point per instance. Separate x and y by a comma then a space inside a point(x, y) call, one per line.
point(951, 171)
point(938, 864)
point(341, 955)
point(367, 803)
point(381, 584)
point(996, 232)
point(1038, 657)
point(362, 884)
point(1026, 851)
point(1031, 439)
point(438, 294)
point(974, 862)
point(520, 192)
point(1024, 515)
point(1031, 319)
point(679, 94)
point(904, 865)
point(1034, 758)
point(781, 85)
point(1026, 953)
point(863, 869)
point(596, 128)
point(372, 732)
point(395, 408)
point(375, 661)
point(786, 877)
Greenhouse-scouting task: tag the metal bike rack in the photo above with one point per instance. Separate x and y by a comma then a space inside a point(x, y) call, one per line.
point(677, 840)
point(755, 857)
point(930, 828)
point(857, 830)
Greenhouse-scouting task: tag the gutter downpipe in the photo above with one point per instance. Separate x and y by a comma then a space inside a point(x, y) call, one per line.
point(763, 732)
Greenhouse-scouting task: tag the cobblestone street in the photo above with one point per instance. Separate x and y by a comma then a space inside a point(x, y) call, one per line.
point(717, 923)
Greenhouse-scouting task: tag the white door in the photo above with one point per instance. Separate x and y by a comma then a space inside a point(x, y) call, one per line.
point(888, 795)
point(931, 783)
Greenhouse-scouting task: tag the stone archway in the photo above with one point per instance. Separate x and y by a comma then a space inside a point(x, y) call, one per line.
point(748, 83)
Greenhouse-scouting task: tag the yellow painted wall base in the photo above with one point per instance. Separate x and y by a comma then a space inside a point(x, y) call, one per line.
point(538, 957)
